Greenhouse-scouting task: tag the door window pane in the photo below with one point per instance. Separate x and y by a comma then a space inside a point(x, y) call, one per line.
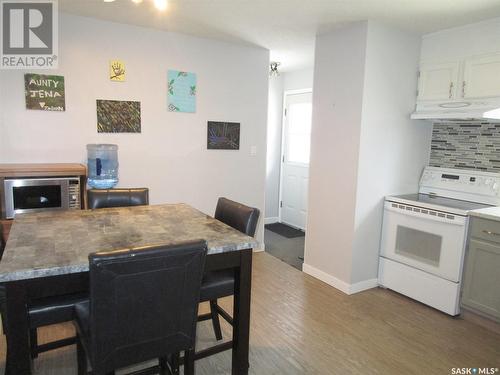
point(417, 245)
point(299, 132)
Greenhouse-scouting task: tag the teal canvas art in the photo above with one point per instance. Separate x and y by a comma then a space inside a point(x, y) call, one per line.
point(181, 91)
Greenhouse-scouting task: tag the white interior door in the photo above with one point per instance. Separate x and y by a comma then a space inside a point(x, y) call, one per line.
point(295, 161)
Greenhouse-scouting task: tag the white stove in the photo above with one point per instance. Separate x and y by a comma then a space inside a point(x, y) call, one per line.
point(424, 235)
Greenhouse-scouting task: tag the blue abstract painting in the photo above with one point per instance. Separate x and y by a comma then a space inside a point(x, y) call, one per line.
point(223, 135)
point(181, 91)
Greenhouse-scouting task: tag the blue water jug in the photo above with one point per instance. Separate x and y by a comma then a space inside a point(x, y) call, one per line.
point(102, 165)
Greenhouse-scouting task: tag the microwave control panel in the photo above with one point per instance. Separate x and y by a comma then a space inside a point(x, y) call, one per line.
point(74, 194)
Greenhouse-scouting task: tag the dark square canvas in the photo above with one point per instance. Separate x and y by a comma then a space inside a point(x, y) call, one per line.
point(116, 116)
point(44, 92)
point(223, 135)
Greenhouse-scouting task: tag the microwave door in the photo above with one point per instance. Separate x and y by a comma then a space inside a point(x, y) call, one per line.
point(26, 195)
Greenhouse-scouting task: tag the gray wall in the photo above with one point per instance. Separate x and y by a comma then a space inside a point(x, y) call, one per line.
point(336, 125)
point(394, 149)
point(170, 156)
point(364, 146)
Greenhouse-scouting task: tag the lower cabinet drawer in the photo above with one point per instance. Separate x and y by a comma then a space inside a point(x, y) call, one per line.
point(484, 229)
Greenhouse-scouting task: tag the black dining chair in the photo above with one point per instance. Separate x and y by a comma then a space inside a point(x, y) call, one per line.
point(106, 198)
point(143, 305)
point(2, 241)
point(43, 312)
point(59, 309)
point(218, 284)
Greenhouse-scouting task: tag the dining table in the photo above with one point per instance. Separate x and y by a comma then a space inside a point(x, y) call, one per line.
point(47, 255)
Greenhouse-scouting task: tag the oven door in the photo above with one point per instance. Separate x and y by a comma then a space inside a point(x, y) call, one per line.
point(428, 240)
point(32, 195)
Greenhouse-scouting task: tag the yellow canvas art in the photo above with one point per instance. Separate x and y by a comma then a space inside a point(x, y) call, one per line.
point(117, 70)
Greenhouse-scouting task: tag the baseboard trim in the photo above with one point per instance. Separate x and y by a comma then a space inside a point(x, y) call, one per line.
point(326, 278)
point(337, 283)
point(259, 248)
point(477, 318)
point(271, 220)
point(364, 285)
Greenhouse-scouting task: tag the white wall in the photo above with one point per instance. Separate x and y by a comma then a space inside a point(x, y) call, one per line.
point(337, 106)
point(298, 79)
point(364, 146)
point(393, 148)
point(274, 125)
point(170, 155)
point(460, 42)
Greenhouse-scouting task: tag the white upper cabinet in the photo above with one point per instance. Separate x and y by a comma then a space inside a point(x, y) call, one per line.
point(438, 81)
point(472, 78)
point(481, 77)
point(459, 72)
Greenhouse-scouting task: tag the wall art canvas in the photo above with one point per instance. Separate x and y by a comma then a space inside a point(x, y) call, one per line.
point(116, 116)
point(117, 71)
point(181, 91)
point(223, 135)
point(44, 92)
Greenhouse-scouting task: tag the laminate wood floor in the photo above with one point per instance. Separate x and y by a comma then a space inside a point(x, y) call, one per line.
point(303, 326)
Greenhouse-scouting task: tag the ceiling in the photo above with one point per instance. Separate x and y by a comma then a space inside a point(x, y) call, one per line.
point(286, 27)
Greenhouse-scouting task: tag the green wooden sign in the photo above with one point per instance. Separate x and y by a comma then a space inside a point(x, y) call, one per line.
point(44, 92)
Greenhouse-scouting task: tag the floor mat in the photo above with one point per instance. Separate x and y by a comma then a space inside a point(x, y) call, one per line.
point(285, 230)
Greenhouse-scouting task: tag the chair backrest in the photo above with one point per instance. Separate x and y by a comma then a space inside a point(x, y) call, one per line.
point(144, 303)
point(237, 215)
point(117, 197)
point(2, 241)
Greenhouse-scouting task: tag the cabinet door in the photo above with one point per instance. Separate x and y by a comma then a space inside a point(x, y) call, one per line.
point(438, 81)
point(481, 77)
point(482, 278)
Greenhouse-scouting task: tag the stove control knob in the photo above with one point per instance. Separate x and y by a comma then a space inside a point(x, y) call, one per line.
point(488, 181)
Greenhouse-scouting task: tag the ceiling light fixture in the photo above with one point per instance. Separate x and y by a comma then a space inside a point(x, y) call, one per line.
point(273, 71)
point(137, 1)
point(160, 4)
point(108, 1)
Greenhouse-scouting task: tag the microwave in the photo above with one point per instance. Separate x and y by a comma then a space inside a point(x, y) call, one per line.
point(23, 195)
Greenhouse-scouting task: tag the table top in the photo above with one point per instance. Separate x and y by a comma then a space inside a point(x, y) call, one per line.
point(58, 242)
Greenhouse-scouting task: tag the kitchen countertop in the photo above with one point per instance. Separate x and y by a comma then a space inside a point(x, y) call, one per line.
point(42, 170)
point(491, 213)
point(59, 242)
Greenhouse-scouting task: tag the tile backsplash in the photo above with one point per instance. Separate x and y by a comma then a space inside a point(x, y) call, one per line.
point(466, 145)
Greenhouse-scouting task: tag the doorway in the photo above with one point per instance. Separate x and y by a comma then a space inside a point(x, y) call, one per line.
point(285, 239)
point(296, 143)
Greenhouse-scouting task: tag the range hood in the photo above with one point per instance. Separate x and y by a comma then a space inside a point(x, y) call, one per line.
point(480, 109)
